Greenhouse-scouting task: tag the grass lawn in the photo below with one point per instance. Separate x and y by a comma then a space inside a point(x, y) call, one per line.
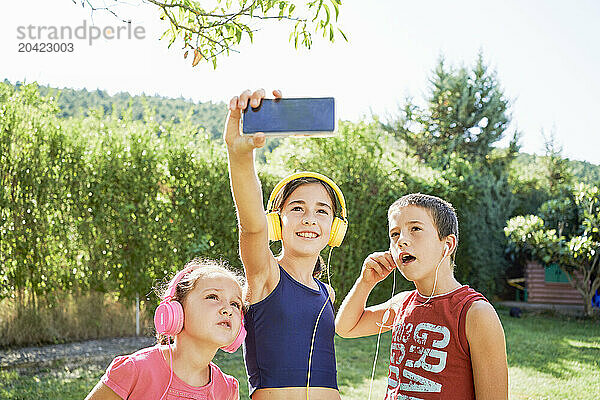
point(549, 357)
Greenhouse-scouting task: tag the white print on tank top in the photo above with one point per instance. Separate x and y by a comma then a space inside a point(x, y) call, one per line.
point(420, 348)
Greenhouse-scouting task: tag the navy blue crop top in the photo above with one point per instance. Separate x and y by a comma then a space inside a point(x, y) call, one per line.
point(280, 328)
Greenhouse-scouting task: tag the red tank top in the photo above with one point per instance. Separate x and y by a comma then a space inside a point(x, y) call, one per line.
point(430, 356)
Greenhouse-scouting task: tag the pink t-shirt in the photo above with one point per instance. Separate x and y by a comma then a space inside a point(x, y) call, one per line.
point(144, 375)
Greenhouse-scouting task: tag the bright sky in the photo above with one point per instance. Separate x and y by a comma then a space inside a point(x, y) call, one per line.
point(546, 55)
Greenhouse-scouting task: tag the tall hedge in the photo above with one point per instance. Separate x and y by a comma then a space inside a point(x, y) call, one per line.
point(38, 164)
point(112, 203)
point(105, 202)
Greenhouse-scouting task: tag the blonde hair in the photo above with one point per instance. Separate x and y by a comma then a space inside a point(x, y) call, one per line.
point(202, 268)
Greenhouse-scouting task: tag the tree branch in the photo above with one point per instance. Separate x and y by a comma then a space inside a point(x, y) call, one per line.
point(89, 3)
point(219, 29)
point(243, 12)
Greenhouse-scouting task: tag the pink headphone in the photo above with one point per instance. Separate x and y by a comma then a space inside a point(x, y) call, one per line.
point(168, 317)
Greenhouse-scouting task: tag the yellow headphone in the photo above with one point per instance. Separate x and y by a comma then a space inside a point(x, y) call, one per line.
point(339, 225)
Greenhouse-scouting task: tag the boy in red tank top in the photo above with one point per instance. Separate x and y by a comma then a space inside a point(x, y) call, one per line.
point(447, 340)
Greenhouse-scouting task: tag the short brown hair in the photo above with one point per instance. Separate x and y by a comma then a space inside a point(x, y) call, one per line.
point(442, 213)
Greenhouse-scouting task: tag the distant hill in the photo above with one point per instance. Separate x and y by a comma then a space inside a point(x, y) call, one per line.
point(587, 172)
point(583, 171)
point(210, 116)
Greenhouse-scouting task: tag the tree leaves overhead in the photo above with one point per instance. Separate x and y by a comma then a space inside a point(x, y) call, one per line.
point(215, 28)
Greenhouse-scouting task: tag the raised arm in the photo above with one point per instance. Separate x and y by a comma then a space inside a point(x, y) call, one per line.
point(488, 352)
point(354, 319)
point(259, 263)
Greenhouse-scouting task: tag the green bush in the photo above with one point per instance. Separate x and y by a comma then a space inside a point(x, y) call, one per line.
point(38, 162)
point(115, 203)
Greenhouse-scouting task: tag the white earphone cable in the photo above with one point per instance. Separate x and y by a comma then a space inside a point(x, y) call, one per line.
point(436, 279)
point(312, 341)
point(386, 315)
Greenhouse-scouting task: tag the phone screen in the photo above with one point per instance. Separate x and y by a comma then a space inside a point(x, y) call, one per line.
point(292, 116)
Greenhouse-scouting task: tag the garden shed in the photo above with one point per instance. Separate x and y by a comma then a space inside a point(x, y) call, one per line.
point(549, 285)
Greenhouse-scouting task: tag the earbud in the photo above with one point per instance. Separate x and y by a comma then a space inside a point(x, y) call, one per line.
point(446, 250)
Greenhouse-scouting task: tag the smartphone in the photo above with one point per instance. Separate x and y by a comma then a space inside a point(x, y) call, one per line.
point(291, 117)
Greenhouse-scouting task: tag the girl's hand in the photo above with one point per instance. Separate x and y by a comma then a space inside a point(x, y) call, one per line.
point(236, 142)
point(377, 267)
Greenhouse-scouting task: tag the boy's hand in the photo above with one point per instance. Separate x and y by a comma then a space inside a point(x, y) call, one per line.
point(236, 142)
point(377, 267)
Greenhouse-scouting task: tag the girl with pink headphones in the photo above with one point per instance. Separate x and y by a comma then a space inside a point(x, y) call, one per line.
point(200, 312)
point(289, 351)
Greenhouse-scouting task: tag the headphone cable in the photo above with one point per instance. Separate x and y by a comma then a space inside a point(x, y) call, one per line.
point(171, 368)
point(312, 342)
point(434, 282)
point(386, 315)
